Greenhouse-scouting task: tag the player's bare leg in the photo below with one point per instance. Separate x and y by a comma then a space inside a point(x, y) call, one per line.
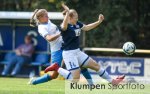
point(92, 64)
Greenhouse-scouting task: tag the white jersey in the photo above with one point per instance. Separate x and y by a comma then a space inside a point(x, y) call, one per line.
point(50, 29)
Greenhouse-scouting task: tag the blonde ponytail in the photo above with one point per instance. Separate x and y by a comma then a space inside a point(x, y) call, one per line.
point(33, 20)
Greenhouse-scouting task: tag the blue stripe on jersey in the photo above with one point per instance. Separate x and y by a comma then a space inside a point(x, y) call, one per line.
point(71, 36)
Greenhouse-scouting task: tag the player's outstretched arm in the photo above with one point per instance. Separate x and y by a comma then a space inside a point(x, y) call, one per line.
point(93, 25)
point(52, 37)
point(64, 24)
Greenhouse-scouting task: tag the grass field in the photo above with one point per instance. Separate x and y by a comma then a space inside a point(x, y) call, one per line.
point(20, 86)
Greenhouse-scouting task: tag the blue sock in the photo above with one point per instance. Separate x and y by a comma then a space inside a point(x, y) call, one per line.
point(87, 75)
point(42, 79)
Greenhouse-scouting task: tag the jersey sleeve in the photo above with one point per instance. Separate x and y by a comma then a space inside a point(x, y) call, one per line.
point(80, 24)
point(42, 31)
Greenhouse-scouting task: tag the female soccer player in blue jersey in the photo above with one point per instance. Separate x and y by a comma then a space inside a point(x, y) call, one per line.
point(73, 57)
point(51, 33)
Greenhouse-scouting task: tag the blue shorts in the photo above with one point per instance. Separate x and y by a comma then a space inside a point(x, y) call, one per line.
point(56, 57)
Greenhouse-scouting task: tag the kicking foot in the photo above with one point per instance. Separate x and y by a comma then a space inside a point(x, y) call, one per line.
point(118, 80)
point(53, 67)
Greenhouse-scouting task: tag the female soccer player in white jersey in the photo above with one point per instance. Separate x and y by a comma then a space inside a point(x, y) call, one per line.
point(51, 33)
point(74, 58)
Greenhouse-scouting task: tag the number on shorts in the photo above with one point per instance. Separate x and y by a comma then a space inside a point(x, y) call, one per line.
point(72, 65)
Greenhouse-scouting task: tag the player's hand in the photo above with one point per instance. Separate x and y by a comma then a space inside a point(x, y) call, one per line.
point(101, 18)
point(65, 7)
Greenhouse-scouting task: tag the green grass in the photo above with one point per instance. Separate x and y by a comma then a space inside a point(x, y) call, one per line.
point(20, 86)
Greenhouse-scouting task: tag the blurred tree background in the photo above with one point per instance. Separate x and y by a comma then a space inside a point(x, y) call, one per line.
point(125, 20)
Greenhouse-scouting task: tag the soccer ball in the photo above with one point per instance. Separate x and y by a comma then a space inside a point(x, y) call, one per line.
point(129, 48)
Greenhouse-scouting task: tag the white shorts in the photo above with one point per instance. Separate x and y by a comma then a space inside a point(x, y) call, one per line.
point(75, 59)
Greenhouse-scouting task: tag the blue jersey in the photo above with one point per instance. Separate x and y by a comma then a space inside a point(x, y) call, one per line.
point(71, 36)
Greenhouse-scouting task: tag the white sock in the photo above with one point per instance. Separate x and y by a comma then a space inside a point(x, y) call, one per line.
point(104, 74)
point(65, 73)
